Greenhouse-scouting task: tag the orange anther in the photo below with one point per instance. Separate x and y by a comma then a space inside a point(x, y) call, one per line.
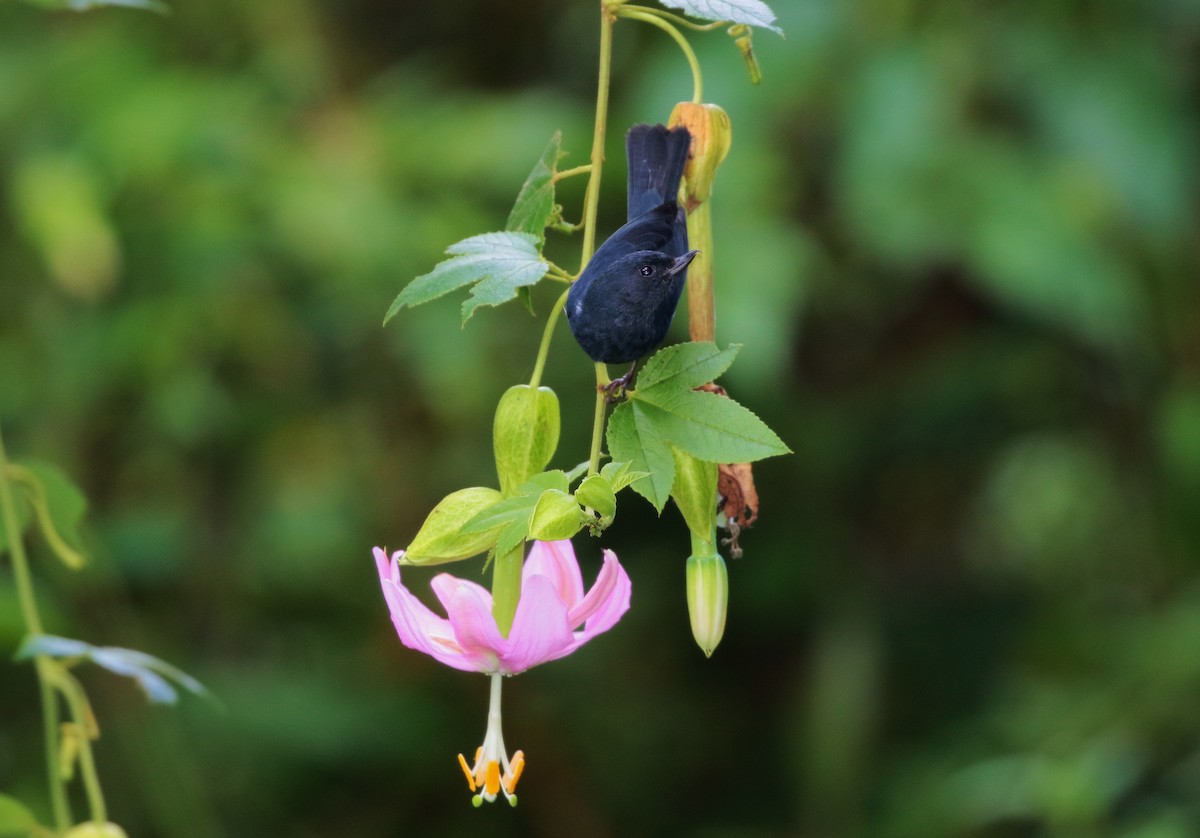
point(514, 771)
point(467, 770)
point(491, 782)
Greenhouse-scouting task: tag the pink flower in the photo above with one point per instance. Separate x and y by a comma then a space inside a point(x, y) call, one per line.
point(554, 617)
point(547, 625)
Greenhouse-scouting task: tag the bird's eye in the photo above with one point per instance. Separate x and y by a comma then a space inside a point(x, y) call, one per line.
point(646, 270)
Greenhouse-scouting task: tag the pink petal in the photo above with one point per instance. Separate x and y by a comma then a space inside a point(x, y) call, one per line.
point(556, 561)
point(418, 627)
point(446, 587)
point(539, 630)
point(606, 601)
point(470, 610)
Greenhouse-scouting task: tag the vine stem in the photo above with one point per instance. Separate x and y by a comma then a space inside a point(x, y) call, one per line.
point(592, 198)
point(33, 625)
point(635, 13)
point(544, 348)
point(598, 418)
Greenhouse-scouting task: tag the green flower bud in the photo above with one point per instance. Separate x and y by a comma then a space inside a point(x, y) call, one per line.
point(708, 600)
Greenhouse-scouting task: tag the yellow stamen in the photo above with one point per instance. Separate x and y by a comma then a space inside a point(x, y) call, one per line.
point(514, 771)
point(467, 770)
point(491, 783)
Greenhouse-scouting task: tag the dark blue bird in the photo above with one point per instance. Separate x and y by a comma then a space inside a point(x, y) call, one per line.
point(622, 304)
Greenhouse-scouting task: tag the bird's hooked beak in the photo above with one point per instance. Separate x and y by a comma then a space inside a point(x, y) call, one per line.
point(681, 263)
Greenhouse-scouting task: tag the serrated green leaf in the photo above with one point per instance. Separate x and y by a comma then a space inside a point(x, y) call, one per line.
point(686, 365)
point(534, 207)
point(443, 536)
point(512, 535)
point(695, 493)
point(750, 12)
point(497, 264)
point(556, 516)
point(16, 821)
point(712, 427)
point(524, 434)
point(634, 439)
point(620, 475)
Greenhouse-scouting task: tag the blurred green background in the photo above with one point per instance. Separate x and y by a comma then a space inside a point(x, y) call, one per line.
point(961, 245)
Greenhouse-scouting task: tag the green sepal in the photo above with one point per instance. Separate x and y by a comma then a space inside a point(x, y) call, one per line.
point(444, 537)
point(596, 493)
point(512, 517)
point(695, 493)
point(556, 516)
point(525, 434)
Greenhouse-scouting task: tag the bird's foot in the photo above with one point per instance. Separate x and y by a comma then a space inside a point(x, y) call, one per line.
point(614, 391)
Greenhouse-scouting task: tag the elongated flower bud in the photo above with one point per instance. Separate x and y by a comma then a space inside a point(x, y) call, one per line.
point(708, 600)
point(712, 134)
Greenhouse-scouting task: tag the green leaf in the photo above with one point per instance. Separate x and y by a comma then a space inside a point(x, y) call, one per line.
point(496, 264)
point(750, 12)
point(524, 434)
point(534, 208)
point(686, 365)
point(444, 536)
point(150, 673)
point(634, 438)
point(620, 475)
point(708, 426)
point(556, 516)
point(695, 493)
point(555, 479)
point(16, 821)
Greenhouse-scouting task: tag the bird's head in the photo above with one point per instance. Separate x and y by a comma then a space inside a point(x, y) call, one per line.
point(651, 265)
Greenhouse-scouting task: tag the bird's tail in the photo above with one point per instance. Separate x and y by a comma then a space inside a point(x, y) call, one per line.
point(656, 158)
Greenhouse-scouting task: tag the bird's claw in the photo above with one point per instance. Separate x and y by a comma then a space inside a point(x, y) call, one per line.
point(614, 391)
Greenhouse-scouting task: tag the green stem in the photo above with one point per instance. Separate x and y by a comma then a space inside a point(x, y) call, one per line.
point(702, 318)
point(544, 349)
point(85, 726)
point(598, 418)
point(566, 173)
point(637, 13)
point(592, 198)
point(506, 587)
point(680, 20)
point(33, 625)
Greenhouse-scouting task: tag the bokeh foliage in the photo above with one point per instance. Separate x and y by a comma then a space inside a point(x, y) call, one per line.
point(959, 244)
